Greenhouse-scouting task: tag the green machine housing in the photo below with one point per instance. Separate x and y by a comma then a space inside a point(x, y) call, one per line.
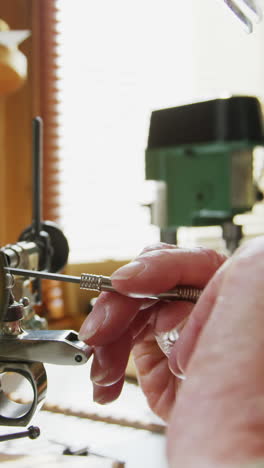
point(203, 154)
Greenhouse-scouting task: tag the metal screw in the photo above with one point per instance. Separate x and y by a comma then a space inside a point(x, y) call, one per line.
point(78, 358)
point(33, 432)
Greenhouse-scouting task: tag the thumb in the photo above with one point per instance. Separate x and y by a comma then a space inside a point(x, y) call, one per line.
point(219, 413)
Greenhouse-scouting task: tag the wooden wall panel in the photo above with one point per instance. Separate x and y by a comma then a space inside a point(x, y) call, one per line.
point(2, 172)
point(15, 136)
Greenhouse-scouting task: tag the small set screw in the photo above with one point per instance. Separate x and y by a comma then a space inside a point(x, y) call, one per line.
point(33, 432)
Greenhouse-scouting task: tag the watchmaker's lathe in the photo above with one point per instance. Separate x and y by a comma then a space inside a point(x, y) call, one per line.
point(25, 342)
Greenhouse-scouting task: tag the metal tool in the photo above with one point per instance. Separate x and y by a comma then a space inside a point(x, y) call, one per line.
point(246, 11)
point(60, 347)
point(25, 343)
point(103, 283)
point(33, 432)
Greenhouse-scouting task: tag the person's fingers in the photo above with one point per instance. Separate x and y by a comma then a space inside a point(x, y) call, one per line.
point(155, 378)
point(180, 353)
point(159, 270)
point(157, 382)
point(113, 313)
point(107, 394)
point(110, 361)
point(157, 246)
point(110, 317)
point(140, 322)
point(224, 384)
point(170, 314)
point(170, 320)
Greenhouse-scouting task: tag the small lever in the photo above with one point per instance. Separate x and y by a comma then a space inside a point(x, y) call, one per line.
point(61, 347)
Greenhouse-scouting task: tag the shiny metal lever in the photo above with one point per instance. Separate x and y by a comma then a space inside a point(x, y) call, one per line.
point(60, 347)
point(24, 354)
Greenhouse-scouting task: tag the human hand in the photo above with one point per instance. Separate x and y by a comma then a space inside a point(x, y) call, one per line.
point(119, 323)
point(217, 419)
point(218, 416)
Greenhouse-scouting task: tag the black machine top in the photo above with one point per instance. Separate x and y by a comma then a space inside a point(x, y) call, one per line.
point(232, 119)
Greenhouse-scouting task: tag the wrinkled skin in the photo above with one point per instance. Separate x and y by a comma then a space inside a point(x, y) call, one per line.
point(216, 415)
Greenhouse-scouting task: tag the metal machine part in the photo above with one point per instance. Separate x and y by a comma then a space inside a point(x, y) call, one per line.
point(59, 248)
point(24, 345)
point(103, 283)
point(25, 255)
point(33, 432)
point(232, 234)
point(13, 413)
point(52, 245)
point(60, 347)
point(200, 153)
point(22, 255)
point(24, 352)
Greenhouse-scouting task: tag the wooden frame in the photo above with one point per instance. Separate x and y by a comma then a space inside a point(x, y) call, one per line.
point(15, 136)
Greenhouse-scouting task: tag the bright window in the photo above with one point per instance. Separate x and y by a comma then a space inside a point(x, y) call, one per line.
point(119, 61)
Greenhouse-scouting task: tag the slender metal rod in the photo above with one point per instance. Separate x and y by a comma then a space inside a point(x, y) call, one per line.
point(37, 175)
point(43, 275)
point(33, 432)
point(37, 170)
point(103, 283)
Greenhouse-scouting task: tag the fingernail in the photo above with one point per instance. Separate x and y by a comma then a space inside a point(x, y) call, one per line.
point(128, 271)
point(175, 365)
point(182, 359)
point(98, 395)
point(176, 370)
point(99, 376)
point(100, 399)
point(92, 324)
point(148, 303)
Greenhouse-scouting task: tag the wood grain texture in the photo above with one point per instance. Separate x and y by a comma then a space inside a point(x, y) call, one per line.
point(2, 171)
point(37, 97)
point(15, 136)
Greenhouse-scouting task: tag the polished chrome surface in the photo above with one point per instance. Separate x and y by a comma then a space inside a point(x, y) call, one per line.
point(181, 293)
point(103, 283)
point(60, 347)
point(13, 413)
point(42, 275)
point(23, 254)
point(96, 282)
